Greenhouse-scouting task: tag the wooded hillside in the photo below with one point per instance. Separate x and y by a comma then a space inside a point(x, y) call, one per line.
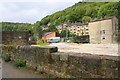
point(81, 12)
point(10, 26)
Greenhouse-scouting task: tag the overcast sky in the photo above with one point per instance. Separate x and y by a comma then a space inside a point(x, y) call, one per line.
point(31, 11)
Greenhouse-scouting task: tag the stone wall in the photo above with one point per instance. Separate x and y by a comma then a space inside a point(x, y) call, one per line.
point(12, 37)
point(65, 65)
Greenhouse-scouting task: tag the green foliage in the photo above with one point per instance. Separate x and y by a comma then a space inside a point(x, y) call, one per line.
point(118, 37)
point(82, 11)
point(19, 63)
point(66, 33)
point(7, 57)
point(37, 32)
point(52, 28)
point(86, 19)
point(41, 42)
point(10, 26)
point(108, 9)
point(44, 44)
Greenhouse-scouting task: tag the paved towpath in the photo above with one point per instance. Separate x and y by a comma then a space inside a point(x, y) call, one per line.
point(10, 71)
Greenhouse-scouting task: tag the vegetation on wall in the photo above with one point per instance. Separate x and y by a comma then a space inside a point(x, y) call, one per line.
point(19, 63)
point(7, 57)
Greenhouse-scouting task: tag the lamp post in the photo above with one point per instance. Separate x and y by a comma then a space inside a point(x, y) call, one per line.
point(66, 31)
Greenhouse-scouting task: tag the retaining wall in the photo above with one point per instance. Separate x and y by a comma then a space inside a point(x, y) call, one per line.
point(65, 65)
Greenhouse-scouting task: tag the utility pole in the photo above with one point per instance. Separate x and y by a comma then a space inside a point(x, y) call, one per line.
point(66, 32)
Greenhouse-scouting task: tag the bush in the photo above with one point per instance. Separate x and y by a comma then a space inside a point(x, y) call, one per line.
point(39, 41)
point(118, 37)
point(19, 63)
point(7, 57)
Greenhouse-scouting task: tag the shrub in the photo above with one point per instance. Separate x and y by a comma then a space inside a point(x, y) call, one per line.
point(118, 37)
point(39, 41)
point(7, 57)
point(19, 63)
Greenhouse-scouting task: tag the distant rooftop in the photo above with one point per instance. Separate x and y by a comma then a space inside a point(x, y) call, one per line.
point(47, 33)
point(101, 19)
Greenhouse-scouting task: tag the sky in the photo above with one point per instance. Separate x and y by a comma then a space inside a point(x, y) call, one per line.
point(30, 11)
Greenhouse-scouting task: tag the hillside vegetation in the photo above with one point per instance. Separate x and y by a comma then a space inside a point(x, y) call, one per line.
point(81, 12)
point(10, 26)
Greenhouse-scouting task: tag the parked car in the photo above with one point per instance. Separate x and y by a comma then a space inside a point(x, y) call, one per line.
point(53, 40)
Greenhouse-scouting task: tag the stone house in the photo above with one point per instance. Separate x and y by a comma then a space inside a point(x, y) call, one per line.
point(75, 28)
point(103, 30)
point(100, 31)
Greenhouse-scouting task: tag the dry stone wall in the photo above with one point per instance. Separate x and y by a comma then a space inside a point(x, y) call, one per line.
point(65, 65)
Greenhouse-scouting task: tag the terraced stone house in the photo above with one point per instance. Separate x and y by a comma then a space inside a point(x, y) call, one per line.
point(100, 31)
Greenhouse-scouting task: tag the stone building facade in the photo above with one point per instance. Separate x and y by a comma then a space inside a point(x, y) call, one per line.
point(75, 28)
point(103, 30)
point(100, 31)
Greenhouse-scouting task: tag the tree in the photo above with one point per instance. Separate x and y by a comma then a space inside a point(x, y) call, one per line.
point(52, 28)
point(37, 32)
point(65, 33)
point(86, 19)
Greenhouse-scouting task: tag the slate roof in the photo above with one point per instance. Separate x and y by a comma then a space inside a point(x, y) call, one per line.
point(101, 19)
point(47, 33)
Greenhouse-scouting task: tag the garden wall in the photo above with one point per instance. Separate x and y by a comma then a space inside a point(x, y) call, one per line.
point(47, 59)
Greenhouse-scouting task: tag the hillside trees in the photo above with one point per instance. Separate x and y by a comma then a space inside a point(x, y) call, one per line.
point(86, 19)
point(10, 26)
point(76, 12)
point(107, 10)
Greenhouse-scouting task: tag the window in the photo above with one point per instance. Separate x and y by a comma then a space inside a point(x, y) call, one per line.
point(103, 38)
point(103, 31)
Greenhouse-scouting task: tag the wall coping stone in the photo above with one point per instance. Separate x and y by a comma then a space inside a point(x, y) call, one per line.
point(87, 55)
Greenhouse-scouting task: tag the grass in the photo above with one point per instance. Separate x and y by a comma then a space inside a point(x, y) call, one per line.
point(41, 42)
point(44, 44)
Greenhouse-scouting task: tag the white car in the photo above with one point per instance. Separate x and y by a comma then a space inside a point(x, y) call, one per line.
point(53, 40)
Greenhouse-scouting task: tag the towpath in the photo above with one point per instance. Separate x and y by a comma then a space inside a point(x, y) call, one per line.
point(10, 71)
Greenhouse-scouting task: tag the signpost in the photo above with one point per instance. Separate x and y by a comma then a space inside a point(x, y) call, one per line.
point(20, 37)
